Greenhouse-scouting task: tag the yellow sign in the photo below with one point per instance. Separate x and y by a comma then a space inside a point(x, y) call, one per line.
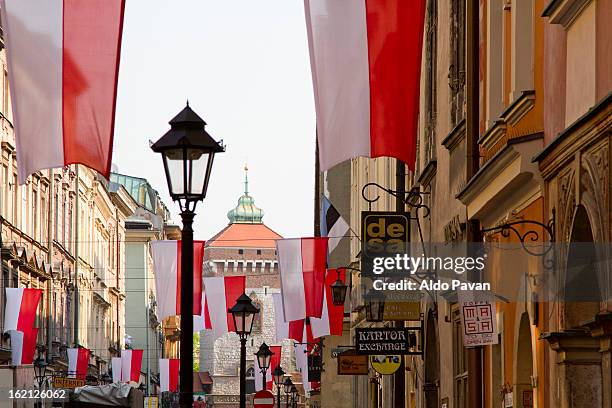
point(65, 382)
point(402, 310)
point(385, 364)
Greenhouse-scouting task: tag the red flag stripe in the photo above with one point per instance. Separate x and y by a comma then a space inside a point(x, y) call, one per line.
point(82, 363)
point(29, 345)
point(335, 313)
point(136, 365)
point(27, 311)
point(173, 371)
point(314, 261)
point(234, 287)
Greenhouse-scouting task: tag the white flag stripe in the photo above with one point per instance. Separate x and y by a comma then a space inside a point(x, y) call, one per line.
point(199, 323)
point(217, 305)
point(336, 233)
point(16, 346)
point(320, 327)
point(13, 307)
point(282, 327)
point(73, 357)
point(292, 280)
point(301, 362)
point(35, 29)
point(164, 374)
point(165, 260)
point(116, 368)
point(126, 365)
point(340, 71)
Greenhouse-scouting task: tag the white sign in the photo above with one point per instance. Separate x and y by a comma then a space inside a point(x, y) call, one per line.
point(478, 318)
point(508, 400)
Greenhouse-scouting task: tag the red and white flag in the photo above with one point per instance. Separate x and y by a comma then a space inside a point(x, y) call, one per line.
point(168, 374)
point(331, 319)
point(63, 64)
point(116, 369)
point(301, 363)
point(23, 346)
point(365, 58)
point(274, 361)
point(21, 306)
point(202, 321)
point(78, 362)
point(131, 361)
point(302, 263)
point(221, 294)
point(167, 265)
point(285, 330)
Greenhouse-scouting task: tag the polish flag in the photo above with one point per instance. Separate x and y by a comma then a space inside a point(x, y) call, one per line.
point(131, 361)
point(23, 346)
point(78, 362)
point(63, 64)
point(331, 319)
point(221, 294)
point(167, 266)
point(365, 58)
point(274, 361)
point(301, 363)
point(285, 330)
point(202, 321)
point(21, 306)
point(168, 374)
point(116, 369)
point(302, 263)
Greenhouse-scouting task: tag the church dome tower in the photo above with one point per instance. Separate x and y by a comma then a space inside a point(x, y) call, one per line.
point(246, 212)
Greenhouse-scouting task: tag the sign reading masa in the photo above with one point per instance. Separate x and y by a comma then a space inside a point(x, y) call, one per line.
point(382, 340)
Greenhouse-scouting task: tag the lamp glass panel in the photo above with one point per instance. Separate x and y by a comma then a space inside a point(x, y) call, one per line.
point(176, 175)
point(198, 169)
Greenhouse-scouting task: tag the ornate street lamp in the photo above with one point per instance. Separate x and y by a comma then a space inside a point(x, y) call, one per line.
point(40, 368)
point(287, 388)
point(375, 306)
point(278, 375)
point(338, 289)
point(294, 395)
point(187, 152)
point(243, 314)
point(264, 356)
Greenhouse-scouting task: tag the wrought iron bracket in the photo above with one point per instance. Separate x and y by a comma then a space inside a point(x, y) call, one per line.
point(412, 198)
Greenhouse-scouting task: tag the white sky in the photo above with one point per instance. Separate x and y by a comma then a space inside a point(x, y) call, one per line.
point(244, 67)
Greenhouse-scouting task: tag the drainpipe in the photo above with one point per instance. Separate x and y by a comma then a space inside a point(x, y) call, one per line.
point(399, 378)
point(51, 321)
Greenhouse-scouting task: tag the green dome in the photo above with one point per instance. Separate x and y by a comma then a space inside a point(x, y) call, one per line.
point(246, 212)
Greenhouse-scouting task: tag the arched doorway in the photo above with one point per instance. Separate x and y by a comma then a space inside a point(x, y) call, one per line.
point(432, 362)
point(524, 364)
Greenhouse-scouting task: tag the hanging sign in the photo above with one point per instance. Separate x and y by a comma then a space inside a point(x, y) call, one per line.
point(67, 382)
point(383, 234)
point(351, 363)
point(478, 318)
point(386, 365)
point(382, 340)
point(315, 364)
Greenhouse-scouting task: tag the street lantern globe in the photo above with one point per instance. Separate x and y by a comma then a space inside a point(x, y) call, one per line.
point(264, 356)
point(40, 368)
point(278, 375)
point(338, 289)
point(188, 152)
point(294, 392)
point(287, 385)
point(243, 313)
point(375, 306)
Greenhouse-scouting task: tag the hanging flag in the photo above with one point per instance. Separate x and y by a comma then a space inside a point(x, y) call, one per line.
point(274, 361)
point(301, 362)
point(285, 330)
point(365, 58)
point(332, 317)
point(302, 263)
point(221, 294)
point(202, 321)
point(63, 64)
point(168, 374)
point(167, 266)
point(23, 346)
point(131, 361)
point(116, 369)
point(332, 224)
point(78, 362)
point(21, 306)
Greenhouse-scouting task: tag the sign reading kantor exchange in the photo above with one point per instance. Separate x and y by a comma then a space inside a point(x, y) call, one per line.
point(382, 340)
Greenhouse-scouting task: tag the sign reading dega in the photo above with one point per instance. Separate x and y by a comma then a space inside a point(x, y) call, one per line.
point(383, 234)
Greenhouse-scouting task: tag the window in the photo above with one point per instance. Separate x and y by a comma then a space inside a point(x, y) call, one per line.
point(24, 208)
point(456, 74)
point(250, 380)
point(430, 79)
point(240, 251)
point(5, 191)
point(460, 366)
point(43, 213)
point(55, 215)
point(34, 227)
point(259, 252)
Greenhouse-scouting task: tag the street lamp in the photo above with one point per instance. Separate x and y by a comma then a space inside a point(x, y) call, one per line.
point(287, 385)
point(338, 289)
point(264, 356)
point(243, 314)
point(278, 374)
point(294, 395)
point(40, 368)
point(375, 306)
point(187, 152)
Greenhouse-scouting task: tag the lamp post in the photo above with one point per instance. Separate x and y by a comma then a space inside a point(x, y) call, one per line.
point(287, 385)
point(294, 395)
point(187, 152)
point(40, 371)
point(243, 313)
point(278, 375)
point(264, 356)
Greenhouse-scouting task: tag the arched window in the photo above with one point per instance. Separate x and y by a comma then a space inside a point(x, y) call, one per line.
point(250, 380)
